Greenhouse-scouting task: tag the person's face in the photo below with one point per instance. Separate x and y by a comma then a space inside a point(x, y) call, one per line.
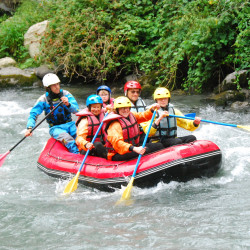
point(55, 88)
point(104, 94)
point(96, 108)
point(124, 111)
point(133, 94)
point(163, 102)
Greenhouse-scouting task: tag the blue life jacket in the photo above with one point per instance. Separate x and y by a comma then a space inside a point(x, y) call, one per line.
point(59, 116)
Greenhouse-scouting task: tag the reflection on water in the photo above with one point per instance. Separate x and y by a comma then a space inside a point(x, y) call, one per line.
point(204, 213)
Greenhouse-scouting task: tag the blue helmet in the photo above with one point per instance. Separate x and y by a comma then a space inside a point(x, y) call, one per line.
point(103, 87)
point(93, 99)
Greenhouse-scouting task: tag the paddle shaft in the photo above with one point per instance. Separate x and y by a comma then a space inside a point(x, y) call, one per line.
point(202, 120)
point(96, 134)
point(37, 125)
point(144, 143)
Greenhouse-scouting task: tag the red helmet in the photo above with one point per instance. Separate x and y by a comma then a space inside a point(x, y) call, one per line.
point(131, 85)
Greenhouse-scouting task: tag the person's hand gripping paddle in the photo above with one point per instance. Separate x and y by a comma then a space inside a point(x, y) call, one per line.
point(127, 192)
point(72, 185)
point(3, 156)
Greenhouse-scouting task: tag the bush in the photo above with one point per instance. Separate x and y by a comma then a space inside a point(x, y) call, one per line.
point(12, 29)
point(204, 34)
point(188, 44)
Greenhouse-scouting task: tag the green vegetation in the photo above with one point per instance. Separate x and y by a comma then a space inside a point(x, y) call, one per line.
point(12, 31)
point(187, 44)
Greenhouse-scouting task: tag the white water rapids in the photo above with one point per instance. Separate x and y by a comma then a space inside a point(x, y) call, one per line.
point(204, 213)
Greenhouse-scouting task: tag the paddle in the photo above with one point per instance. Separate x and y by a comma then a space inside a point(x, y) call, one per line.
point(3, 156)
point(217, 123)
point(127, 192)
point(72, 185)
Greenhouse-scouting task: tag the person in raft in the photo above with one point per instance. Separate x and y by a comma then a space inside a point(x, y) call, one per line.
point(105, 93)
point(121, 131)
point(164, 128)
point(89, 120)
point(62, 128)
point(132, 90)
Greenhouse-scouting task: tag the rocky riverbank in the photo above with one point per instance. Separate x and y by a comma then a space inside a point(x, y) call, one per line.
point(232, 92)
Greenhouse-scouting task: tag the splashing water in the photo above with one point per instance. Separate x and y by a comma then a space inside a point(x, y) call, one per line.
point(203, 213)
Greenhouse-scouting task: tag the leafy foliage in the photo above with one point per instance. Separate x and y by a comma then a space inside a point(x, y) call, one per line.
point(12, 30)
point(188, 44)
point(204, 33)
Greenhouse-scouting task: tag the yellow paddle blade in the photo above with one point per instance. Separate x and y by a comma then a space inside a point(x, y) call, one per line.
point(127, 192)
point(72, 185)
point(244, 127)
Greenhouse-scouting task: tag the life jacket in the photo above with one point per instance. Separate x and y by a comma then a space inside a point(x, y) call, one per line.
point(93, 124)
point(110, 102)
point(139, 106)
point(60, 115)
point(167, 126)
point(130, 129)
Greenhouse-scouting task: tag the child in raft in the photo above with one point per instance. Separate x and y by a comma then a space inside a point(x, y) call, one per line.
point(87, 124)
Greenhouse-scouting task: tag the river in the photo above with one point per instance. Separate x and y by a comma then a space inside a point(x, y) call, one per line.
point(208, 213)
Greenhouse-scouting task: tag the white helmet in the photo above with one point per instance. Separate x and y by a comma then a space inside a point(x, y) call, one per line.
point(50, 79)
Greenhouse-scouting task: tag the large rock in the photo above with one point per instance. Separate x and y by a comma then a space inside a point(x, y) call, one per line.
point(8, 6)
point(32, 38)
point(243, 106)
point(42, 70)
point(132, 77)
point(7, 62)
point(230, 82)
point(246, 92)
point(11, 4)
point(226, 98)
point(4, 8)
point(12, 76)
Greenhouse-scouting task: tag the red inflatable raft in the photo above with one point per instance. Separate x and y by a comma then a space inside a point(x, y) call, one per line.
point(177, 163)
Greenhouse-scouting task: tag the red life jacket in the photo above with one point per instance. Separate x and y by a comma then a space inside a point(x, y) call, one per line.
point(111, 102)
point(130, 129)
point(93, 124)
